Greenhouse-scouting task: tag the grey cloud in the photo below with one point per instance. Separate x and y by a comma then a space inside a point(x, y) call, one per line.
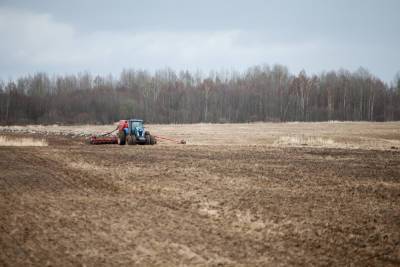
point(105, 36)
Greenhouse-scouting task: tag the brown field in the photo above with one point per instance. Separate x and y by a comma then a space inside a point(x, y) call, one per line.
point(236, 194)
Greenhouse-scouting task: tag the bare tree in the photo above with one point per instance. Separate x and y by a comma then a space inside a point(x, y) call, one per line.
point(259, 94)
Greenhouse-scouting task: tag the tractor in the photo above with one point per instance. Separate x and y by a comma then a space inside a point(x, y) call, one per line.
point(132, 132)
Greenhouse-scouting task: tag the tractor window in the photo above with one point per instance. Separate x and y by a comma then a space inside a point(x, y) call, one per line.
point(137, 124)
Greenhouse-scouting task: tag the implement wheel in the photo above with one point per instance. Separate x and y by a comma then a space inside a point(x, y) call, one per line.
point(121, 138)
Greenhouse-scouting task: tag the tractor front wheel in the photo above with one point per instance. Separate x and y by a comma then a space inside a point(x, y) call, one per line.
point(131, 140)
point(121, 138)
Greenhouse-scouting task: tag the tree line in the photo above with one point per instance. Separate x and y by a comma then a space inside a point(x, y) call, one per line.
point(261, 93)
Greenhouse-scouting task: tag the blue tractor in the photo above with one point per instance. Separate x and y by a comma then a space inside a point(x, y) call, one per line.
point(132, 132)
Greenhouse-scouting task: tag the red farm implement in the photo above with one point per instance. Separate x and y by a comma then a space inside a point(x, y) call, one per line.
point(102, 140)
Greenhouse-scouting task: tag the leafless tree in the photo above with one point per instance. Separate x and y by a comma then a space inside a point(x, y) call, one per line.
point(261, 93)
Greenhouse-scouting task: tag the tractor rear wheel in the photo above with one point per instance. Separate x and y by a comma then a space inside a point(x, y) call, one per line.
point(121, 138)
point(153, 140)
point(148, 139)
point(131, 140)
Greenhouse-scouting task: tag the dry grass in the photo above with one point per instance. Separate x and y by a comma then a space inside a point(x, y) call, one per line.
point(305, 141)
point(21, 141)
point(352, 135)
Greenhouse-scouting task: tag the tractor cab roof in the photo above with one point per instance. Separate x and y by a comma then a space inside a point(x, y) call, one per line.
point(138, 120)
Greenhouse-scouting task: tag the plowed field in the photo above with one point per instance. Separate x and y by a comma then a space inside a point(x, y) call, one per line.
point(235, 194)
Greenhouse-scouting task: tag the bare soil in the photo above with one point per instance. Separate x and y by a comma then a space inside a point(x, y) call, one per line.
point(235, 194)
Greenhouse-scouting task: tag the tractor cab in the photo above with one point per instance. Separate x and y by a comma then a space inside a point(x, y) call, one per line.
point(136, 123)
point(136, 128)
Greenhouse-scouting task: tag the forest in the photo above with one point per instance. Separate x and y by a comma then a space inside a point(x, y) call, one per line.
point(260, 93)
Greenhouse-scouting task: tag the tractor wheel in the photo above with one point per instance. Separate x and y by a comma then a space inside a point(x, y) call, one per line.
point(121, 138)
point(131, 140)
point(148, 139)
point(153, 140)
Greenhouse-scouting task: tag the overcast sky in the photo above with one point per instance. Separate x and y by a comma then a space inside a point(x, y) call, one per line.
point(106, 36)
